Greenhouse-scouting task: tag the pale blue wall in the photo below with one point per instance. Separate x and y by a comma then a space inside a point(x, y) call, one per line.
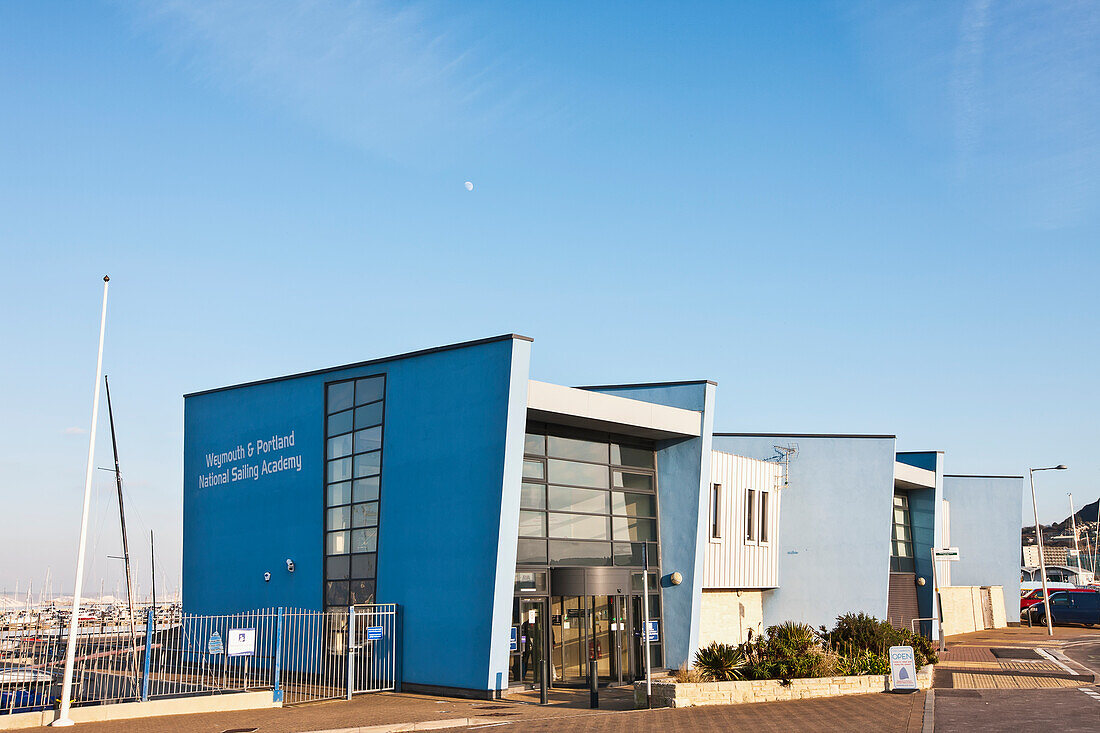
point(986, 517)
point(453, 437)
point(834, 525)
point(683, 475)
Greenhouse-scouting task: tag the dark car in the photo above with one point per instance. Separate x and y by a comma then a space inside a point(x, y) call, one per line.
point(1069, 607)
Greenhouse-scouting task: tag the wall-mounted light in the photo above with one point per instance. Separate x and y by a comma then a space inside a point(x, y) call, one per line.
point(921, 581)
point(267, 577)
point(676, 579)
point(289, 565)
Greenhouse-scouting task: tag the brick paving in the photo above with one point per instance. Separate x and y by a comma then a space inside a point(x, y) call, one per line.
point(977, 681)
point(969, 662)
point(977, 702)
point(569, 712)
point(1065, 710)
point(363, 710)
point(1018, 635)
point(865, 713)
point(967, 653)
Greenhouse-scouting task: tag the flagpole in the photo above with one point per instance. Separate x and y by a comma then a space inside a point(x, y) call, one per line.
point(74, 620)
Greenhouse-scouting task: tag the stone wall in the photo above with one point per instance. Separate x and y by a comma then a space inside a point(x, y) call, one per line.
point(727, 616)
point(671, 694)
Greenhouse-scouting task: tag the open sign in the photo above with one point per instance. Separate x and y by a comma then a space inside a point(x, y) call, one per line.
point(903, 668)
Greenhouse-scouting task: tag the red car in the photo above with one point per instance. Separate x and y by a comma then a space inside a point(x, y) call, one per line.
point(1036, 596)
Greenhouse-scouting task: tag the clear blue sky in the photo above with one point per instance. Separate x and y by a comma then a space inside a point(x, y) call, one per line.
point(856, 218)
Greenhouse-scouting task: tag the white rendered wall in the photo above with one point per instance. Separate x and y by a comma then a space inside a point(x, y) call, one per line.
point(727, 616)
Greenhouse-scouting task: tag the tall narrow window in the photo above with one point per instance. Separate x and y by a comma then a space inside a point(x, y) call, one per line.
point(716, 511)
point(353, 453)
point(763, 516)
point(901, 545)
point(750, 515)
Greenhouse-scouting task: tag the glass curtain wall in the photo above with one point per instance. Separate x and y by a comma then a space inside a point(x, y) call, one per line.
point(354, 411)
point(587, 499)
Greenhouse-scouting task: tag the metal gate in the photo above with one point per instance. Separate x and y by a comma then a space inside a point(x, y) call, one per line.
point(334, 654)
point(372, 658)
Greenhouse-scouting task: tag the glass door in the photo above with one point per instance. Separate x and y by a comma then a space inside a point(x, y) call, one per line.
point(570, 640)
point(599, 645)
point(611, 648)
point(529, 621)
point(621, 671)
point(585, 628)
point(637, 650)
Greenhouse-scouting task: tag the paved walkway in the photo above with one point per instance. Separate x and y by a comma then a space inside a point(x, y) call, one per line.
point(568, 712)
point(1017, 678)
point(969, 696)
point(1011, 658)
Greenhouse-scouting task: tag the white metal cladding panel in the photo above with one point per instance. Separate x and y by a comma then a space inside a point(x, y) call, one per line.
point(731, 561)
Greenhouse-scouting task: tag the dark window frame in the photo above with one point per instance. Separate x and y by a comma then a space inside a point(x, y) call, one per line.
point(345, 587)
point(763, 537)
point(750, 516)
point(716, 511)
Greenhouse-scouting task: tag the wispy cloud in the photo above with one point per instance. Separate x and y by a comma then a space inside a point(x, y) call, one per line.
point(75, 431)
point(1010, 89)
point(966, 78)
point(376, 75)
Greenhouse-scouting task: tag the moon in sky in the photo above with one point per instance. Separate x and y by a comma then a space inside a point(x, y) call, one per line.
point(469, 185)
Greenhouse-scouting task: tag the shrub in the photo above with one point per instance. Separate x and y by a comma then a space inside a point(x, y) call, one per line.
point(787, 651)
point(793, 636)
point(857, 645)
point(859, 632)
point(862, 661)
point(720, 663)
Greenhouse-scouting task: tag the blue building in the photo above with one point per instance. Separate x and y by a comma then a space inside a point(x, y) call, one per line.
point(448, 482)
point(490, 506)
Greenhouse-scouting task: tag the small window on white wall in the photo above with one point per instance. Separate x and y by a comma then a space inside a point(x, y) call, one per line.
point(763, 516)
point(716, 511)
point(750, 515)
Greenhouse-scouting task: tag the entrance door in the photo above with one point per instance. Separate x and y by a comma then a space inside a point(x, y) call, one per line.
point(591, 628)
point(569, 639)
point(530, 625)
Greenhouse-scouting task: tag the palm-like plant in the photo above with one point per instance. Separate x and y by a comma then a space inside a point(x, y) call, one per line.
point(793, 636)
point(720, 662)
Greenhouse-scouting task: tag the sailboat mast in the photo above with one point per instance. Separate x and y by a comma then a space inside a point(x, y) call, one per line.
point(153, 571)
point(122, 521)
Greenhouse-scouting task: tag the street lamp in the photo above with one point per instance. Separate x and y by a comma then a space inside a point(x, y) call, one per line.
point(1039, 542)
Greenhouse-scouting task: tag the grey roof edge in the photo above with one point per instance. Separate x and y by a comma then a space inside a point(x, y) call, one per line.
point(802, 435)
point(980, 475)
point(649, 384)
point(369, 362)
point(917, 452)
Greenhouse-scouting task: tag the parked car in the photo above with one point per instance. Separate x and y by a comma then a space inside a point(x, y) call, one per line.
point(1029, 585)
point(1029, 599)
point(1078, 606)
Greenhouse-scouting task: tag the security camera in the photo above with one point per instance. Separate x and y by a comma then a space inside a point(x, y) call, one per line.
point(267, 577)
point(289, 565)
